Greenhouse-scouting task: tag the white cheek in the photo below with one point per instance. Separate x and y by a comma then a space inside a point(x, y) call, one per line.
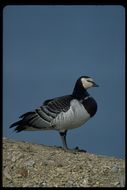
point(86, 84)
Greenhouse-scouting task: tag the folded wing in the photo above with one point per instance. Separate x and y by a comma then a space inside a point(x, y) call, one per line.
point(41, 118)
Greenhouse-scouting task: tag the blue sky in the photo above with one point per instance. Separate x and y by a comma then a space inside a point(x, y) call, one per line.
point(46, 49)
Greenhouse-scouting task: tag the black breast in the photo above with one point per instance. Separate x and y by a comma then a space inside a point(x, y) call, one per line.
point(90, 105)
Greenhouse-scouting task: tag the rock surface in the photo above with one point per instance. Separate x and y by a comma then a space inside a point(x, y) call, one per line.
point(32, 165)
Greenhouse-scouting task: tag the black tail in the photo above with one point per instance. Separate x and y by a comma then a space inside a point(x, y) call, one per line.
point(20, 126)
point(24, 122)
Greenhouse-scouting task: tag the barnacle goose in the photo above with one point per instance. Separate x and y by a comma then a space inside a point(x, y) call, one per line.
point(62, 113)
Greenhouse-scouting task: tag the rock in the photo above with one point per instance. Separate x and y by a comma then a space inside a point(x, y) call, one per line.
point(6, 173)
point(16, 157)
point(115, 168)
point(31, 165)
point(122, 181)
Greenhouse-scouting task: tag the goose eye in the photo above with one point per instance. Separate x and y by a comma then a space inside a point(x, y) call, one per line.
point(90, 81)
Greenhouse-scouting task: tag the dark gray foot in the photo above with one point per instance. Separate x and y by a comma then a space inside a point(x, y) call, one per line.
point(79, 150)
point(75, 150)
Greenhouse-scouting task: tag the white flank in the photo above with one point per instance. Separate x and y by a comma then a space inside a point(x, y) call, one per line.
point(73, 118)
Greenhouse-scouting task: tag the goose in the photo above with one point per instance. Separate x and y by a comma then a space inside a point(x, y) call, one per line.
point(61, 113)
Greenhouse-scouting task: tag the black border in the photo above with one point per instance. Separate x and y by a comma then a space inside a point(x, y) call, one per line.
point(5, 3)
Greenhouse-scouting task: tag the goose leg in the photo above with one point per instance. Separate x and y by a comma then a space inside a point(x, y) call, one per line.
point(63, 137)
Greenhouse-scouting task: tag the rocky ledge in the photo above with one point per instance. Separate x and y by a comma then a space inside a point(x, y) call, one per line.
point(32, 165)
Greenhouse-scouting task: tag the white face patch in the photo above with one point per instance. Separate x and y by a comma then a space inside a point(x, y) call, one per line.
point(86, 82)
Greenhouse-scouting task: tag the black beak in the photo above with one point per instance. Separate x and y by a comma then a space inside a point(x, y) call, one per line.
point(95, 85)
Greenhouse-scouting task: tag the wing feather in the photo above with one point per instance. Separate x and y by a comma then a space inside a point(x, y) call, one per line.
point(42, 117)
point(59, 104)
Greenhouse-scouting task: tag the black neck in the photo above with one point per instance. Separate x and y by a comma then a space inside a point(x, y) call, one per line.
point(79, 91)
